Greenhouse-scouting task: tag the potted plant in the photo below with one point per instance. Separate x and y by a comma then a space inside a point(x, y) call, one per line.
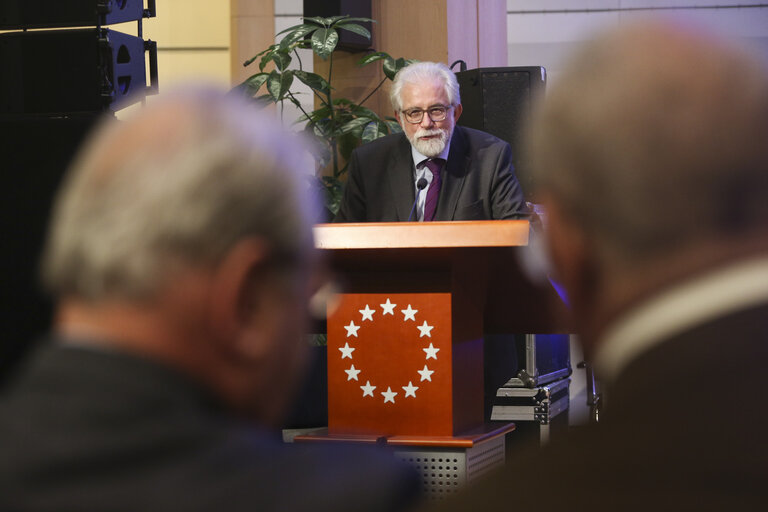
point(338, 125)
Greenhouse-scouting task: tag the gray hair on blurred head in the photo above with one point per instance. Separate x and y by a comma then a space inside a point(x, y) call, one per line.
point(176, 186)
point(419, 72)
point(654, 136)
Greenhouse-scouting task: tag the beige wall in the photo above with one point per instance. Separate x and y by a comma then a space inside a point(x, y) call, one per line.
point(192, 38)
point(475, 32)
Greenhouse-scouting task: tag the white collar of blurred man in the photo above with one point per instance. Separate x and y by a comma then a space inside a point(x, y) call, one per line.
point(652, 175)
point(728, 289)
point(183, 234)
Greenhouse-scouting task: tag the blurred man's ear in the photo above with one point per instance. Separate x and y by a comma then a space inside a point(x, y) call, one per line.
point(573, 260)
point(238, 295)
point(258, 319)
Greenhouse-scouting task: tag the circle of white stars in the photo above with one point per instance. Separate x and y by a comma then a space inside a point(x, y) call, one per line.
point(430, 352)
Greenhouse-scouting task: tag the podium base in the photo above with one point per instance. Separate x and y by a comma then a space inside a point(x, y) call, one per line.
point(445, 463)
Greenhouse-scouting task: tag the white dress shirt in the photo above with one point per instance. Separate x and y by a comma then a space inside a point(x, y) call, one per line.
point(424, 172)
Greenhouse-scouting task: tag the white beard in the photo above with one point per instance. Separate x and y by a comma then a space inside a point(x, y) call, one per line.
point(431, 147)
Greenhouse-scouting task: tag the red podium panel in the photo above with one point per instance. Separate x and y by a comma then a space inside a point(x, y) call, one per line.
point(405, 349)
point(390, 364)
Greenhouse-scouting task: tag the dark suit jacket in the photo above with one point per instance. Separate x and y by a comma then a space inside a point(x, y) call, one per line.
point(684, 428)
point(83, 430)
point(478, 181)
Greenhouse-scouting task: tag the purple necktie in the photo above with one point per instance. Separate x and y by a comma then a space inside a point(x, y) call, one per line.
point(434, 189)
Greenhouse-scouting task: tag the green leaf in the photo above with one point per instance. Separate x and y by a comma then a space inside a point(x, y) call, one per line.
point(301, 32)
point(343, 102)
point(355, 125)
point(266, 60)
point(334, 190)
point(292, 99)
point(361, 111)
point(314, 81)
point(322, 127)
point(320, 149)
point(373, 57)
point(316, 115)
point(254, 82)
point(357, 29)
point(279, 83)
point(282, 60)
point(289, 29)
point(264, 99)
point(324, 41)
point(318, 340)
point(373, 131)
point(317, 20)
point(393, 125)
point(346, 143)
point(269, 49)
point(354, 20)
point(392, 66)
point(333, 19)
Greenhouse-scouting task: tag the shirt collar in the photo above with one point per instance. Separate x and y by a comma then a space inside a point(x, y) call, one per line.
point(418, 157)
point(701, 299)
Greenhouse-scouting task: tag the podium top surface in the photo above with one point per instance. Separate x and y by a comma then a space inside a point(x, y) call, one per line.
point(420, 235)
point(415, 257)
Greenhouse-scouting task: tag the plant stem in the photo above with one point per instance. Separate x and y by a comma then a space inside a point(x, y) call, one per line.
point(298, 58)
point(298, 104)
point(301, 68)
point(334, 155)
point(373, 91)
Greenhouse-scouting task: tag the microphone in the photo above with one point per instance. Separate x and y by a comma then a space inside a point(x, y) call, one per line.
point(420, 185)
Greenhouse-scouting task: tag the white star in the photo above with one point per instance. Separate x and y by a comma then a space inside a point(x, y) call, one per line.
point(367, 313)
point(367, 389)
point(352, 329)
point(426, 330)
point(352, 373)
point(410, 390)
point(431, 351)
point(389, 395)
point(409, 313)
point(389, 308)
point(426, 373)
point(346, 351)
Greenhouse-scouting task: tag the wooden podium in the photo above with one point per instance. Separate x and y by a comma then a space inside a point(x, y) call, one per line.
point(405, 340)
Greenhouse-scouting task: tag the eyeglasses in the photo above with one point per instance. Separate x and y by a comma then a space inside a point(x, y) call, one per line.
point(435, 113)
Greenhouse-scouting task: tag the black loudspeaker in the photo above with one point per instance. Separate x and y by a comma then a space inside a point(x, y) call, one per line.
point(499, 101)
point(35, 152)
point(66, 71)
point(20, 14)
point(354, 8)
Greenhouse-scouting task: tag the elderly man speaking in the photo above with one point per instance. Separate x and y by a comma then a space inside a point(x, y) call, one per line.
point(449, 172)
point(179, 254)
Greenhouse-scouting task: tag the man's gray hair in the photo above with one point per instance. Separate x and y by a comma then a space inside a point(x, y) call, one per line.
point(176, 186)
point(655, 136)
point(420, 72)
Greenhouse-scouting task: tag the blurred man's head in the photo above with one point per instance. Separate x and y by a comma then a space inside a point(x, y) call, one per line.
point(652, 156)
point(425, 96)
point(184, 234)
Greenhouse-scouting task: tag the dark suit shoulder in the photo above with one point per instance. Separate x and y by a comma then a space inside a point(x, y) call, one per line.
point(134, 435)
point(478, 138)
